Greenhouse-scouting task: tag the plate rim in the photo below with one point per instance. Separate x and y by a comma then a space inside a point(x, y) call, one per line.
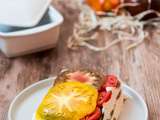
point(51, 79)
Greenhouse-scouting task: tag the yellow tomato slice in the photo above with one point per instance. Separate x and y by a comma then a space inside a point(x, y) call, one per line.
point(68, 101)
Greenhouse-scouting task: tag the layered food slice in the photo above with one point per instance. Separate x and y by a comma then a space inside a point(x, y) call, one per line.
point(83, 76)
point(82, 95)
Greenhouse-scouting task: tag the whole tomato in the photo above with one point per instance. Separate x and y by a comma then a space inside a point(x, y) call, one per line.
point(109, 5)
point(95, 4)
point(103, 5)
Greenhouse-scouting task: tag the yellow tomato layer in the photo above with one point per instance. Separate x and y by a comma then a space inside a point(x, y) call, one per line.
point(68, 101)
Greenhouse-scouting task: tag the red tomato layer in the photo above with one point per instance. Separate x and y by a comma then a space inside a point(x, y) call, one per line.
point(94, 116)
point(104, 96)
point(110, 81)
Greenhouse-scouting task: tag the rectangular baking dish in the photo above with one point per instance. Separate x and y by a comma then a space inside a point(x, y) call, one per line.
point(16, 41)
point(28, 12)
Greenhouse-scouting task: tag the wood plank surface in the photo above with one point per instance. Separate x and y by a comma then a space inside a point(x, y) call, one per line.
point(139, 68)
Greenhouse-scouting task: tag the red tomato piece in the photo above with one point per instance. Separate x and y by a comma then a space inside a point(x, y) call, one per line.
point(110, 81)
point(103, 98)
point(95, 115)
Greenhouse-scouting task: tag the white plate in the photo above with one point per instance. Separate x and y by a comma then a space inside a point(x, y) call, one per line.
point(25, 104)
point(22, 13)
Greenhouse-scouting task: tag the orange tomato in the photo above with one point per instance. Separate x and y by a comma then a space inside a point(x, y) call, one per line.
point(103, 5)
point(107, 5)
point(115, 3)
point(110, 4)
point(95, 4)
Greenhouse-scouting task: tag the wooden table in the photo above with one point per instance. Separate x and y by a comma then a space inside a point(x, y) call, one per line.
point(139, 68)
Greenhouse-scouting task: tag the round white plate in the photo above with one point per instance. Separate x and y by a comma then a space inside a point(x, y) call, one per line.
point(25, 104)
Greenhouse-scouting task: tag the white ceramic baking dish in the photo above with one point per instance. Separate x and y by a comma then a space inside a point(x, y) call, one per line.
point(15, 41)
point(28, 12)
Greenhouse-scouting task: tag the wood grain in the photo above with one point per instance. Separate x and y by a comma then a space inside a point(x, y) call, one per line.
point(139, 68)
